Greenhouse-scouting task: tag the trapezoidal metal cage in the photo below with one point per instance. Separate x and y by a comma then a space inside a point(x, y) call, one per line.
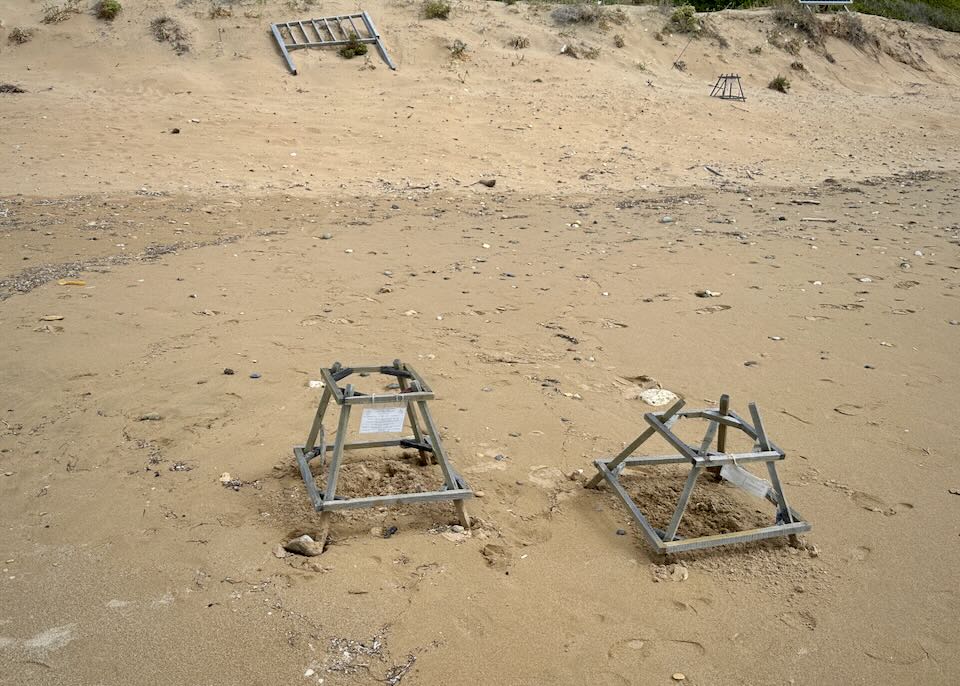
point(719, 463)
point(409, 407)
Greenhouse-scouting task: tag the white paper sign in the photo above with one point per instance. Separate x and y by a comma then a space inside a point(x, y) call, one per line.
point(382, 420)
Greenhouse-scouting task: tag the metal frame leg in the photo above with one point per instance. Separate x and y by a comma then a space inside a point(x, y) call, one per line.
point(671, 531)
point(330, 488)
point(721, 435)
point(283, 48)
point(426, 458)
point(440, 454)
point(318, 422)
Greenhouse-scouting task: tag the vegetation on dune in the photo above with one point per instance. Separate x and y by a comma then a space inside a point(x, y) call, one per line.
point(108, 9)
point(780, 83)
point(436, 9)
point(353, 48)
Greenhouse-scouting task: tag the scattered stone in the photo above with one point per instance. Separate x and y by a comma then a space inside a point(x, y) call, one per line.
point(326, 236)
point(489, 183)
point(225, 478)
point(457, 529)
point(228, 371)
point(280, 552)
point(707, 294)
point(666, 219)
point(775, 338)
point(304, 545)
point(621, 532)
point(751, 363)
point(478, 494)
point(678, 676)
point(390, 531)
point(952, 491)
point(955, 322)
point(865, 279)
point(51, 318)
point(254, 375)
point(672, 572)
point(174, 130)
point(150, 417)
point(658, 397)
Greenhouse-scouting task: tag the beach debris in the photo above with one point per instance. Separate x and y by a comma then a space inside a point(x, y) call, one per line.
point(707, 294)
point(10, 88)
point(658, 397)
point(71, 282)
point(254, 375)
point(329, 32)
point(621, 532)
point(678, 676)
point(180, 467)
point(390, 531)
point(225, 478)
point(150, 417)
point(51, 318)
point(303, 545)
point(489, 183)
point(666, 219)
point(228, 371)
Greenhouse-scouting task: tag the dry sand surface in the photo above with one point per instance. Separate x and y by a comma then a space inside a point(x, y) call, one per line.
point(335, 215)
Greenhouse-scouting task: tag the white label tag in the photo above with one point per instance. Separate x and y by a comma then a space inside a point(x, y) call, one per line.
point(739, 476)
point(382, 420)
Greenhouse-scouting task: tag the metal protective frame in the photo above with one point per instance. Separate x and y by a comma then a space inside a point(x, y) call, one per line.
point(327, 31)
point(413, 395)
point(724, 88)
point(788, 521)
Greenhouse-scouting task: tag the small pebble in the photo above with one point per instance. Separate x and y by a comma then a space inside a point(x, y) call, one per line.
point(389, 531)
point(229, 372)
point(150, 417)
point(666, 219)
point(327, 236)
point(457, 529)
point(621, 532)
point(254, 375)
point(679, 676)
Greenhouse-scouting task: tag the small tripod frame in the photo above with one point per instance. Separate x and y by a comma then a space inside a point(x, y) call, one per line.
point(412, 395)
point(788, 521)
point(728, 87)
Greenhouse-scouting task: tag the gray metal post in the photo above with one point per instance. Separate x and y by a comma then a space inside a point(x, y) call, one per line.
point(317, 421)
point(682, 504)
point(330, 489)
point(283, 48)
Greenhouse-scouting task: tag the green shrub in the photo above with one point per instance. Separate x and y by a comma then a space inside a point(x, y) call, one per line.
point(353, 48)
point(683, 20)
point(780, 84)
point(436, 9)
point(108, 9)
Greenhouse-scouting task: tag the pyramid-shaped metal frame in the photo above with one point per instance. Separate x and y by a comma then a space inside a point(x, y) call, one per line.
point(413, 395)
point(788, 521)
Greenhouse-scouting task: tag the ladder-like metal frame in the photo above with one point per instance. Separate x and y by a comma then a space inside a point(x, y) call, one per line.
point(788, 521)
point(326, 32)
point(413, 395)
point(724, 88)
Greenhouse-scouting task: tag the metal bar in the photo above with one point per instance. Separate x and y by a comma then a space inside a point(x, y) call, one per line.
point(308, 479)
point(721, 433)
point(424, 387)
point(283, 48)
point(356, 31)
point(736, 537)
point(457, 494)
point(758, 427)
point(778, 487)
point(330, 383)
point(414, 424)
point(712, 459)
point(306, 38)
point(316, 30)
point(671, 531)
point(329, 30)
point(653, 538)
point(708, 437)
point(330, 488)
point(752, 433)
point(649, 460)
point(637, 442)
point(438, 449)
point(380, 47)
point(318, 420)
point(342, 31)
point(385, 399)
point(671, 438)
point(361, 445)
point(713, 416)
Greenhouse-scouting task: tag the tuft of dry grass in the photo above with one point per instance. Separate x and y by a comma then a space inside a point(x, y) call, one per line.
point(519, 42)
point(781, 84)
point(54, 13)
point(108, 9)
point(168, 30)
point(436, 9)
point(19, 36)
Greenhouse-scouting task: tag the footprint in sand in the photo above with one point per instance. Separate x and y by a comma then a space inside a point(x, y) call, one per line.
point(860, 553)
point(677, 650)
point(799, 620)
